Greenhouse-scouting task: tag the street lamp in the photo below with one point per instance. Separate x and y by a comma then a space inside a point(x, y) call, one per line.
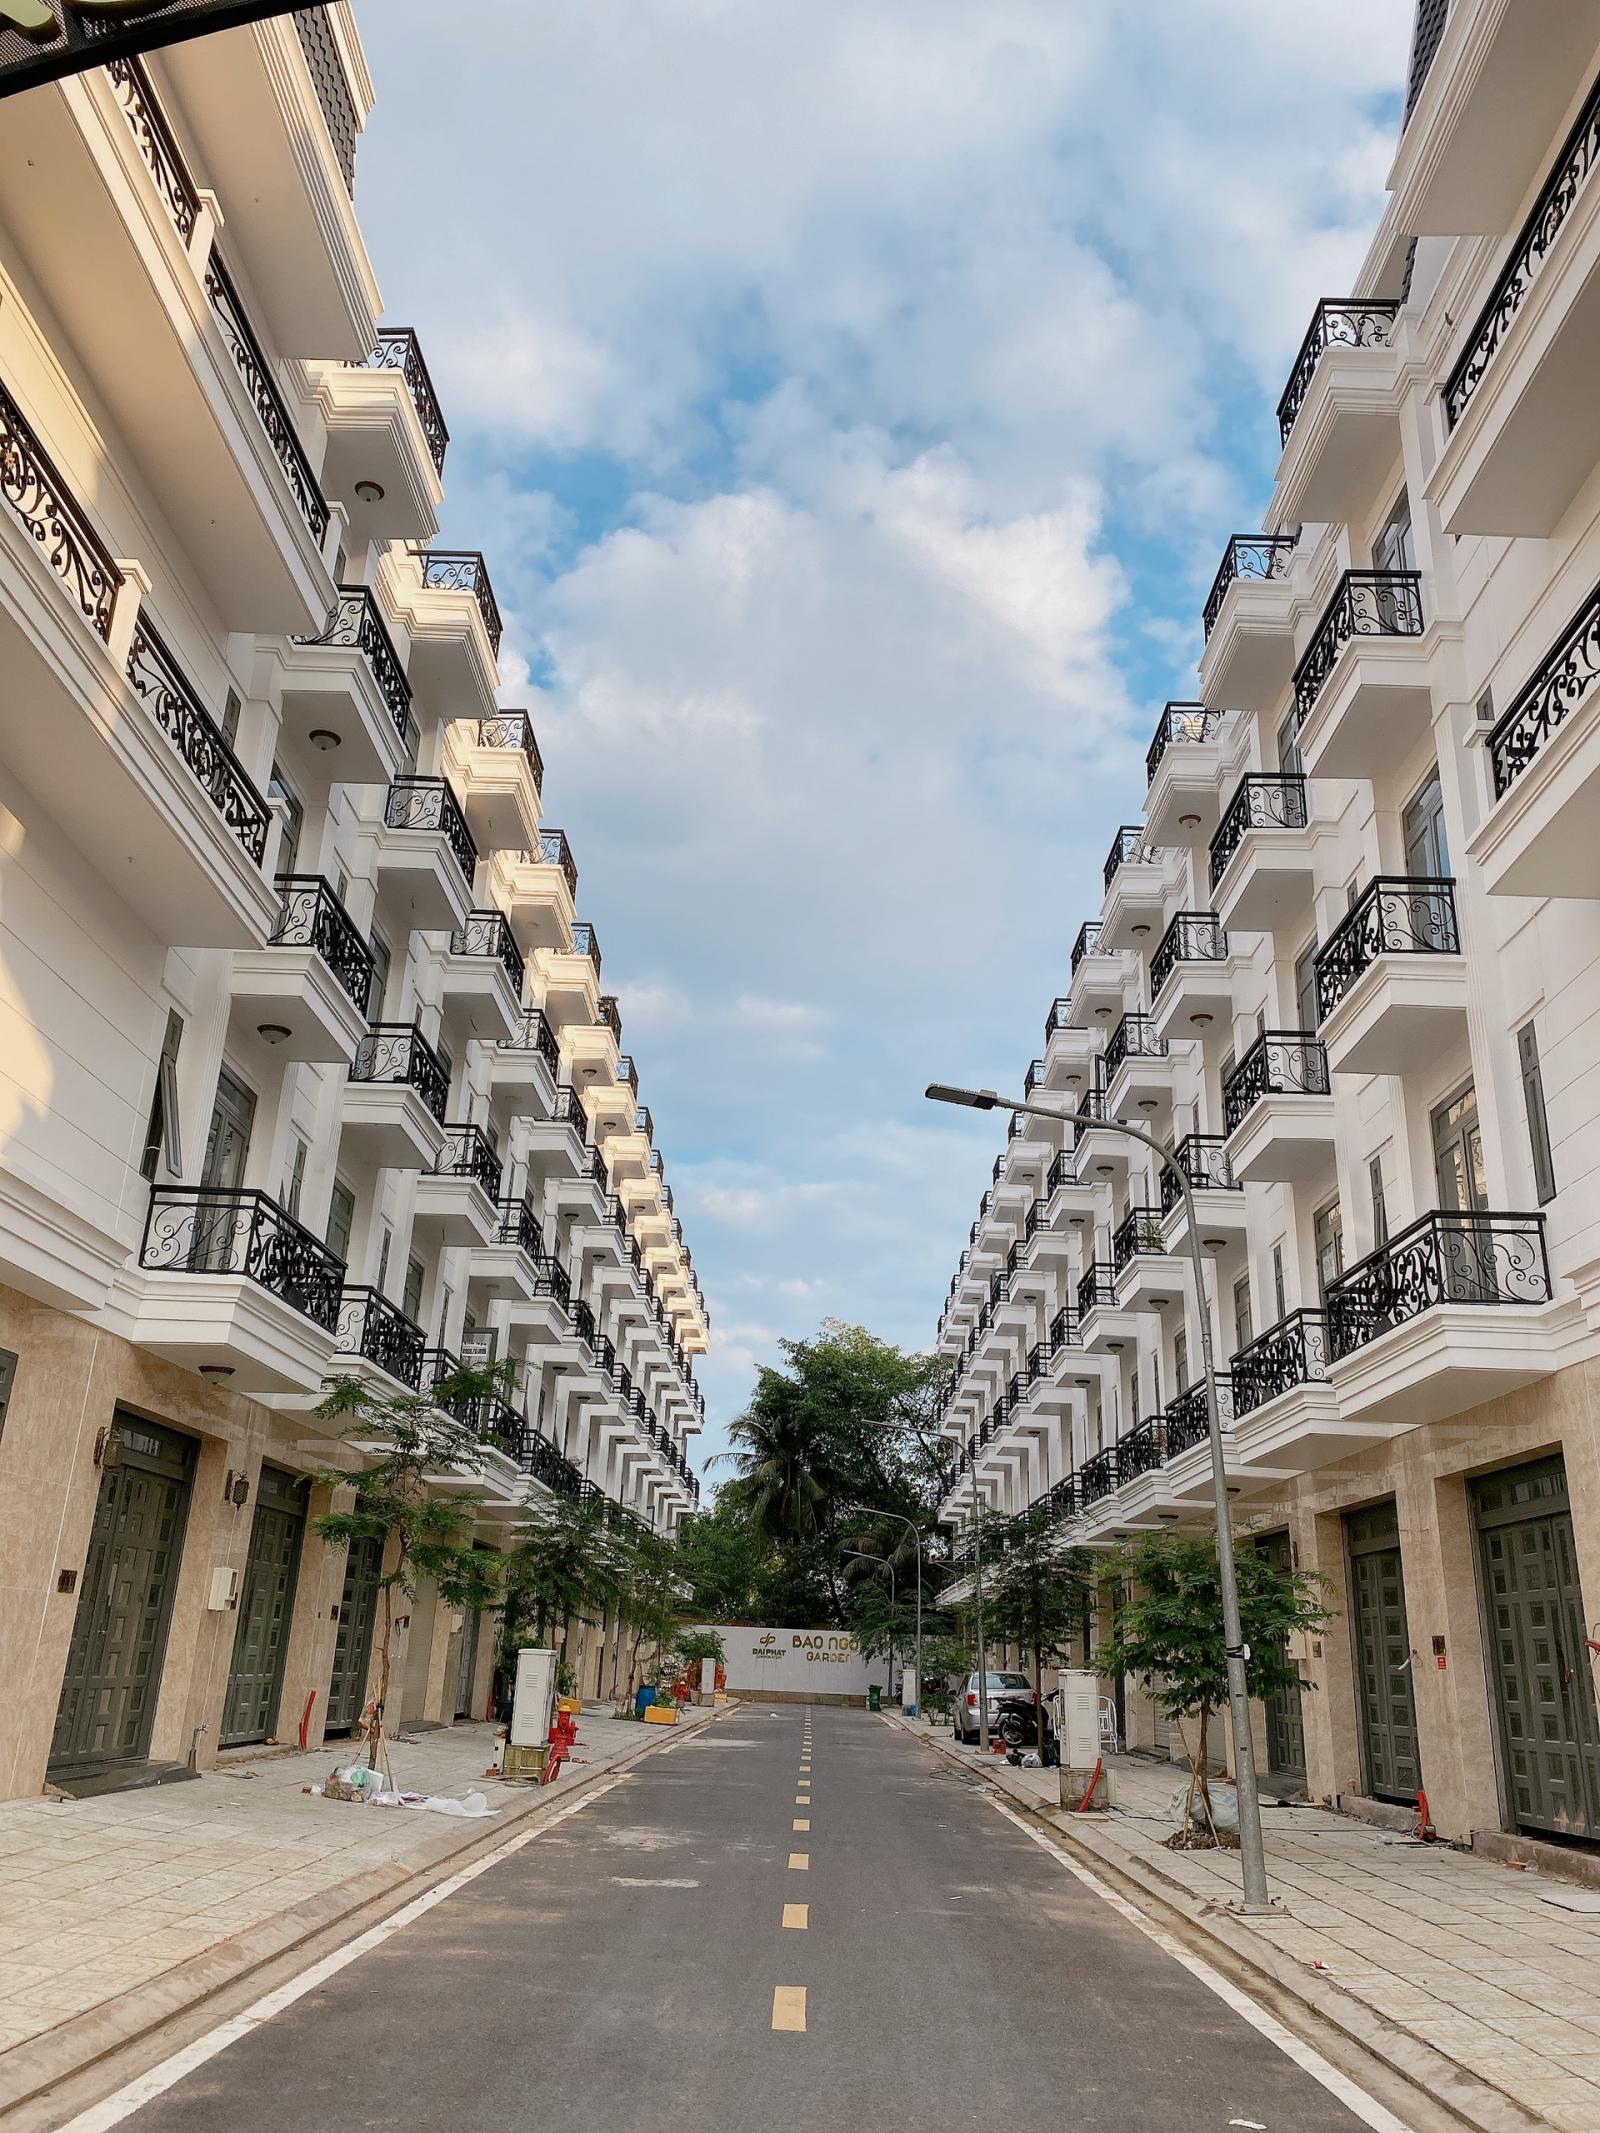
point(900, 1519)
point(1252, 1854)
point(860, 1555)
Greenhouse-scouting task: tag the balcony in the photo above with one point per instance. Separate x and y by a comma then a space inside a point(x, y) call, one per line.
point(1181, 771)
point(1068, 1051)
point(536, 888)
point(235, 1287)
point(1147, 1276)
point(1277, 1109)
point(572, 981)
point(559, 1144)
point(1544, 755)
point(1287, 1417)
point(1218, 1194)
point(1100, 1152)
point(426, 856)
point(1104, 1326)
point(505, 1268)
point(348, 690)
point(1519, 401)
point(1249, 624)
point(373, 1330)
point(528, 1061)
point(1262, 871)
point(1191, 977)
point(1445, 1315)
point(1339, 417)
point(483, 978)
point(1391, 979)
point(457, 1201)
point(495, 766)
point(1362, 694)
point(1138, 1066)
point(395, 1099)
point(306, 991)
point(386, 440)
point(1097, 978)
point(1136, 887)
point(455, 633)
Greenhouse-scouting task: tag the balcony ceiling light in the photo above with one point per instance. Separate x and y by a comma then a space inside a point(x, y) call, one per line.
point(370, 492)
point(1148, 1103)
point(1189, 822)
point(1200, 1021)
point(1213, 1244)
point(216, 1373)
point(322, 740)
point(274, 1032)
point(1140, 932)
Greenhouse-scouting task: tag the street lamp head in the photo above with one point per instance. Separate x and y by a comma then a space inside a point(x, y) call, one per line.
point(939, 1092)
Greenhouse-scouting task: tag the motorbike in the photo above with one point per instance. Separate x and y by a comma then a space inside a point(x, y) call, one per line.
point(1014, 1721)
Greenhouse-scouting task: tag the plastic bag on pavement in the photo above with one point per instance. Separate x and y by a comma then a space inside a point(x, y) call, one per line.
point(473, 1806)
point(1224, 1805)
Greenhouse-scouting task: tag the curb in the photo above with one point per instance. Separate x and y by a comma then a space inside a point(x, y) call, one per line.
point(1444, 2082)
point(74, 2046)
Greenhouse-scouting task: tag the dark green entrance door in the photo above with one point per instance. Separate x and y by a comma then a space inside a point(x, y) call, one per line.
point(1286, 1733)
point(352, 1649)
point(1381, 1641)
point(266, 1604)
point(1538, 1656)
point(119, 1634)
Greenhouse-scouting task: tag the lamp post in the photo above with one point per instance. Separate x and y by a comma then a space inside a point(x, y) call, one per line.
point(883, 1563)
point(900, 1519)
point(1252, 1855)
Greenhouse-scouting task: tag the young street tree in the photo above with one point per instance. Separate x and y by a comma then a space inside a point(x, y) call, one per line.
point(565, 1558)
point(1167, 1633)
point(403, 1440)
point(1038, 1594)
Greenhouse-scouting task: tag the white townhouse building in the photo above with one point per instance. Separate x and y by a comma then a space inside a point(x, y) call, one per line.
point(1347, 967)
point(306, 1063)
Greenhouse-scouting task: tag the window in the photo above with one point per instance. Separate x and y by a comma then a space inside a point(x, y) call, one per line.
point(341, 1221)
point(1277, 1281)
point(1327, 1229)
point(411, 1301)
point(291, 817)
point(1422, 825)
point(383, 1257)
point(230, 719)
point(1395, 548)
point(1290, 762)
point(1544, 1169)
point(378, 990)
point(1458, 1155)
point(1305, 987)
point(1243, 1330)
point(295, 1181)
point(1380, 1211)
point(228, 1142)
point(1180, 1360)
point(1486, 708)
point(8, 1377)
point(445, 1301)
point(161, 1134)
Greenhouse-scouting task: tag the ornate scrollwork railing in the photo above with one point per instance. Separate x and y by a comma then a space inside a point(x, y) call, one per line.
point(1445, 1258)
point(1395, 914)
point(1281, 1062)
point(1084, 944)
point(1097, 1476)
point(468, 1152)
point(1293, 1352)
point(554, 851)
point(1357, 322)
point(1565, 681)
point(1366, 603)
point(1135, 1037)
point(1138, 1232)
point(1192, 937)
point(52, 519)
point(488, 933)
point(1259, 556)
point(310, 915)
point(1178, 722)
point(464, 570)
point(611, 1014)
point(1128, 848)
point(550, 1466)
point(162, 687)
point(1569, 176)
point(1097, 1288)
point(519, 1225)
point(585, 941)
point(1063, 1330)
point(513, 729)
point(568, 1110)
point(534, 1034)
point(1203, 1159)
point(397, 1054)
point(417, 803)
point(249, 359)
point(357, 626)
point(199, 1230)
point(162, 156)
point(1188, 1423)
point(1142, 1451)
point(399, 349)
point(554, 1281)
point(1260, 800)
point(377, 1330)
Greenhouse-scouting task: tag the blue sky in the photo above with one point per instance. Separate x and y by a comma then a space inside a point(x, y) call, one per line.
point(853, 399)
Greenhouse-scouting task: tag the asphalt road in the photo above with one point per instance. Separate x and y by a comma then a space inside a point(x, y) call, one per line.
point(632, 1971)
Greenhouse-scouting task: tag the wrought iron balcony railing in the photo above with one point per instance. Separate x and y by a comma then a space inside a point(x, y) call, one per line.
point(250, 361)
point(1564, 682)
point(1203, 1159)
point(463, 570)
point(534, 1034)
point(310, 915)
point(1088, 935)
point(1366, 603)
point(1293, 1352)
point(553, 1280)
point(1260, 556)
point(497, 1424)
point(468, 1152)
point(1063, 1330)
point(611, 1014)
point(1260, 800)
point(1192, 937)
point(1033, 1080)
point(1097, 1288)
point(554, 851)
point(1281, 1062)
point(1138, 1233)
point(1057, 1018)
point(1395, 914)
point(1135, 1037)
point(544, 1463)
point(1187, 1421)
point(357, 626)
point(488, 933)
point(583, 1325)
point(628, 1073)
point(1568, 180)
point(156, 144)
point(1062, 1171)
point(1142, 1451)
point(54, 520)
point(1445, 1258)
point(199, 1230)
point(397, 1054)
point(1357, 322)
point(1097, 1476)
point(513, 729)
point(1128, 848)
point(1178, 722)
point(380, 1333)
point(1061, 1501)
point(161, 685)
point(568, 1110)
point(429, 804)
point(585, 941)
point(399, 349)
point(519, 1225)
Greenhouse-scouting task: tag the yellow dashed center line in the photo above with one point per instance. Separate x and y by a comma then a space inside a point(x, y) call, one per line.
point(802, 1799)
point(799, 1861)
point(802, 1825)
point(789, 2007)
point(797, 1916)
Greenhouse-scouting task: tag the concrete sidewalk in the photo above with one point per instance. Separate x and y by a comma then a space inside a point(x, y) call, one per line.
point(1455, 1970)
point(119, 1912)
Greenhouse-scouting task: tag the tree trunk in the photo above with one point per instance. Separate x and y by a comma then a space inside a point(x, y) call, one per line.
point(385, 1655)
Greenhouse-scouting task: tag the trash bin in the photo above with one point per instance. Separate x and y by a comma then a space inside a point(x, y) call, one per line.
point(874, 1697)
point(643, 1700)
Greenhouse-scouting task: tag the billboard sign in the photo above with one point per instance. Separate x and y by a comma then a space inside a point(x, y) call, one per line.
point(42, 40)
point(798, 1663)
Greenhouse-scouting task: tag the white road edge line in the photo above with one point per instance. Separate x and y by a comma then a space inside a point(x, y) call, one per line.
point(114, 2109)
point(1366, 2108)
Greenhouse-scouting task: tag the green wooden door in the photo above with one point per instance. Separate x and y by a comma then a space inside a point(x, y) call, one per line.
point(352, 1649)
point(119, 1633)
point(1381, 1644)
point(1538, 1656)
point(1286, 1734)
point(266, 1606)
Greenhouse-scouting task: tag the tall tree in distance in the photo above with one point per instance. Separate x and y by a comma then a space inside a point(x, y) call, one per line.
point(1037, 1594)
